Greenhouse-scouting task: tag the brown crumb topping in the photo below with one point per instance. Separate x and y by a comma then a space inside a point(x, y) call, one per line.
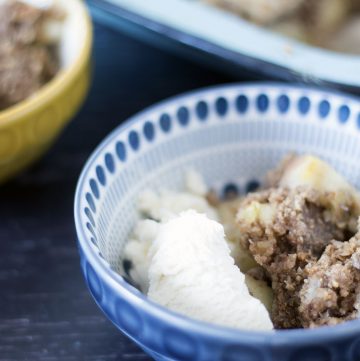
point(297, 236)
point(27, 59)
point(331, 291)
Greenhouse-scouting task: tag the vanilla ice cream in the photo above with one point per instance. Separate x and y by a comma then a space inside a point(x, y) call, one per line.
point(137, 250)
point(191, 272)
point(160, 207)
point(166, 204)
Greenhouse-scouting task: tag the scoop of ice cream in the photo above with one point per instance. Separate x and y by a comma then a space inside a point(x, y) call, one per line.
point(160, 207)
point(192, 272)
point(166, 204)
point(137, 250)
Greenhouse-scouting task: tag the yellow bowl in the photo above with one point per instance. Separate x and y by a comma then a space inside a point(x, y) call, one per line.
point(28, 128)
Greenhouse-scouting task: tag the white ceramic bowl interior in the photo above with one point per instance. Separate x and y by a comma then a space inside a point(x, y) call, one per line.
point(237, 147)
point(230, 134)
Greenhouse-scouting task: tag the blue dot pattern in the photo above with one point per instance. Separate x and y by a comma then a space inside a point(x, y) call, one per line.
point(252, 186)
point(183, 115)
point(134, 140)
point(324, 108)
point(90, 216)
point(109, 162)
point(262, 103)
point(94, 188)
point(230, 190)
point(344, 114)
point(283, 103)
point(100, 175)
point(149, 131)
point(221, 106)
point(90, 228)
point(304, 105)
point(121, 151)
point(242, 104)
point(165, 122)
point(90, 202)
point(202, 110)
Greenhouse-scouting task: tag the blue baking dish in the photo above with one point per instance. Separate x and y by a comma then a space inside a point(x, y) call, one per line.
point(219, 39)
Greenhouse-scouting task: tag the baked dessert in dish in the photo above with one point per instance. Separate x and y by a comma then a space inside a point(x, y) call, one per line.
point(181, 259)
point(289, 252)
point(287, 229)
point(333, 24)
point(262, 12)
point(28, 49)
point(331, 290)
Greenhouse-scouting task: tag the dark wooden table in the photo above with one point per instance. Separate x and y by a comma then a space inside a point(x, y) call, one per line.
point(46, 312)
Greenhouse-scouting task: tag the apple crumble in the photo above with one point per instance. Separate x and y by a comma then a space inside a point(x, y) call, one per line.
point(301, 231)
point(28, 50)
point(333, 24)
point(292, 246)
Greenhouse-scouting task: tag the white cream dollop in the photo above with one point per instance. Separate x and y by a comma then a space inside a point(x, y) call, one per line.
point(137, 250)
point(160, 207)
point(166, 204)
point(191, 272)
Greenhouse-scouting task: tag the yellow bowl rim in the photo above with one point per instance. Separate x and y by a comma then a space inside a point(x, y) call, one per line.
point(56, 85)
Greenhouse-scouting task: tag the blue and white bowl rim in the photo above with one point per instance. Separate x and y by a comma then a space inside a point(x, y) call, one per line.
point(101, 267)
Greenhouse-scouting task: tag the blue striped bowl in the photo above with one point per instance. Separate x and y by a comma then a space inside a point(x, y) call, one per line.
point(232, 135)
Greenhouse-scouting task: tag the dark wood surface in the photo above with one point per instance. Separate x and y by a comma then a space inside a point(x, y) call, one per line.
point(46, 312)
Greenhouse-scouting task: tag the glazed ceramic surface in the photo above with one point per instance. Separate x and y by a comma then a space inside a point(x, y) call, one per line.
point(28, 128)
point(232, 135)
point(220, 39)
